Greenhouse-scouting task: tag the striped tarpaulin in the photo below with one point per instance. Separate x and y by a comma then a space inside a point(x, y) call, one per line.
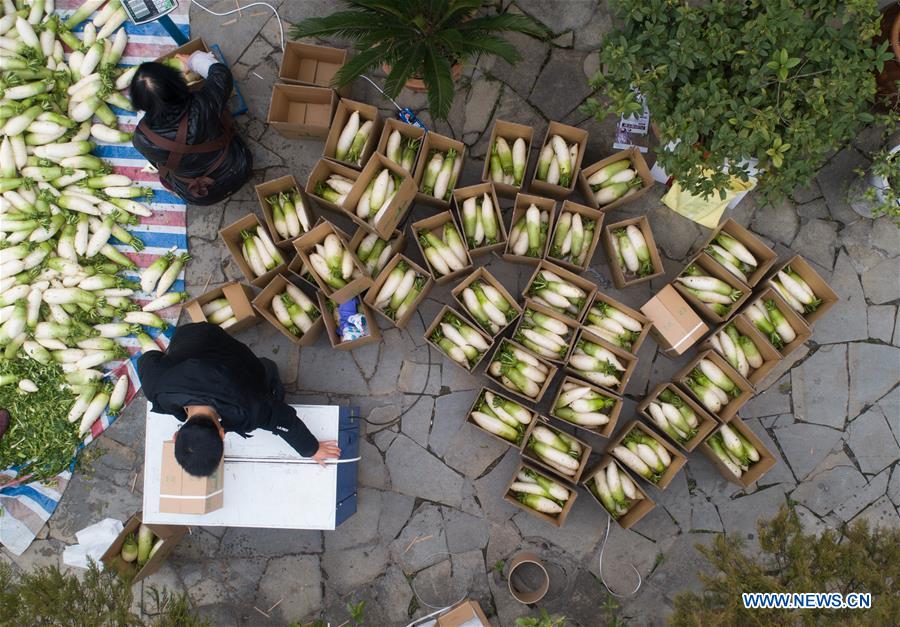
point(26, 507)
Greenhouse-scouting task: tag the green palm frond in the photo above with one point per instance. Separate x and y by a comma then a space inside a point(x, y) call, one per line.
point(437, 76)
point(360, 63)
point(506, 22)
point(403, 69)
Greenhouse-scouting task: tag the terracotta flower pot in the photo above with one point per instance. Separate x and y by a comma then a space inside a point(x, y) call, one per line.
point(417, 84)
point(527, 579)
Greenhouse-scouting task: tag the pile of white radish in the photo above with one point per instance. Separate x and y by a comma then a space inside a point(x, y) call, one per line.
point(732, 255)
point(377, 196)
point(795, 291)
point(572, 238)
point(543, 334)
point(582, 406)
point(596, 364)
point(158, 277)
point(518, 370)
point(556, 449)
point(219, 312)
point(769, 319)
point(487, 306)
point(614, 181)
point(631, 251)
point(528, 236)
point(294, 310)
point(441, 174)
point(446, 253)
point(733, 450)
point(738, 350)
point(614, 326)
point(508, 165)
point(259, 251)
point(501, 417)
point(374, 253)
point(711, 291)
point(459, 341)
point(399, 291)
point(614, 489)
point(556, 162)
point(479, 221)
point(559, 294)
point(334, 189)
point(674, 417)
point(332, 263)
point(352, 139)
point(539, 493)
point(402, 150)
point(643, 454)
point(94, 398)
point(290, 215)
point(712, 386)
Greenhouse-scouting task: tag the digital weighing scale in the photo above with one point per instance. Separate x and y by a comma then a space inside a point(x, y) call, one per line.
point(143, 11)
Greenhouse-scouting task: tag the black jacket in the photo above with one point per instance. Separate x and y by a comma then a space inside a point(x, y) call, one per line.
point(204, 110)
point(205, 366)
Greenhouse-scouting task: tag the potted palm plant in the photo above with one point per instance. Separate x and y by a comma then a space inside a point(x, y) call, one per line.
point(418, 41)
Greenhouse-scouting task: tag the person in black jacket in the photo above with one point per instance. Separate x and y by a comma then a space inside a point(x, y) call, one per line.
point(215, 384)
point(188, 136)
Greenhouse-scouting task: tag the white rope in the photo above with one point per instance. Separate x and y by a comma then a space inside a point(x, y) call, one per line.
point(247, 6)
point(284, 460)
point(600, 568)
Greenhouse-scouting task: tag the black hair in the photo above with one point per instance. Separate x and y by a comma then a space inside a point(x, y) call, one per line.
point(199, 447)
point(156, 87)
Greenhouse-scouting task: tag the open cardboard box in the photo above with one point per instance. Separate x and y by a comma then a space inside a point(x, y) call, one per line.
point(707, 424)
point(618, 275)
point(523, 201)
point(529, 456)
point(435, 224)
point(709, 267)
point(299, 270)
point(311, 64)
point(263, 304)
point(510, 131)
point(746, 390)
point(441, 143)
point(557, 520)
point(818, 285)
point(638, 164)
point(552, 370)
point(395, 244)
point(638, 509)
point(231, 236)
point(571, 135)
point(798, 324)
point(678, 458)
point(628, 360)
point(407, 131)
point(319, 174)
point(460, 195)
point(606, 430)
point(171, 535)
point(194, 45)
point(239, 298)
point(183, 493)
point(481, 274)
point(306, 245)
point(525, 433)
point(446, 309)
point(466, 613)
point(675, 325)
point(367, 113)
point(282, 184)
point(586, 213)
point(769, 353)
point(755, 472)
point(299, 111)
point(765, 256)
point(398, 207)
point(372, 294)
point(331, 325)
point(646, 325)
point(588, 287)
point(547, 311)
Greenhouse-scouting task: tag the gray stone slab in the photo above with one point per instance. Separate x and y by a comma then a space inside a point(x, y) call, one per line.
point(582, 531)
point(805, 445)
point(881, 513)
point(423, 541)
point(825, 491)
point(806, 194)
point(873, 372)
point(863, 497)
point(657, 525)
point(416, 418)
point(472, 452)
point(521, 77)
point(362, 527)
point(819, 387)
point(395, 595)
point(554, 93)
point(846, 320)
point(881, 322)
point(815, 241)
point(814, 210)
point(351, 568)
point(418, 378)
point(773, 401)
point(490, 487)
point(248, 542)
point(503, 540)
point(395, 512)
point(480, 102)
point(893, 491)
point(342, 376)
point(372, 470)
point(740, 515)
point(704, 515)
point(464, 532)
point(779, 223)
point(784, 366)
point(872, 442)
point(416, 472)
point(880, 283)
point(449, 414)
point(623, 550)
point(834, 180)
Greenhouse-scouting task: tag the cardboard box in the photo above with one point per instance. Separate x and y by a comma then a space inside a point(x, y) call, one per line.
point(572, 135)
point(194, 45)
point(765, 256)
point(395, 244)
point(589, 287)
point(525, 433)
point(282, 184)
point(435, 224)
point(441, 143)
point(406, 130)
point(638, 164)
point(676, 327)
point(311, 64)
point(816, 283)
point(464, 614)
point(769, 354)
point(639, 508)
point(541, 309)
point(372, 294)
point(620, 279)
point(510, 131)
point(707, 424)
point(628, 360)
point(523, 201)
point(586, 213)
point(559, 519)
point(460, 195)
point(397, 208)
point(238, 296)
point(709, 267)
point(319, 174)
point(606, 430)
point(734, 402)
point(481, 274)
point(170, 535)
point(798, 324)
point(298, 270)
point(646, 326)
point(331, 325)
point(263, 304)
point(552, 370)
point(529, 455)
point(306, 245)
point(231, 236)
point(678, 459)
point(299, 112)
point(367, 113)
point(446, 309)
point(755, 472)
point(183, 493)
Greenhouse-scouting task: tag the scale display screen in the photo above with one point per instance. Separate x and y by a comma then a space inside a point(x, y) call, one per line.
point(141, 11)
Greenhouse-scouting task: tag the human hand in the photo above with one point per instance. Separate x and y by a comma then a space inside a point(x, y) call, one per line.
point(185, 60)
point(327, 450)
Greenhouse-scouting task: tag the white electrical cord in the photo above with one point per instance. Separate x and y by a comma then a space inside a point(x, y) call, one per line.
point(282, 460)
point(247, 6)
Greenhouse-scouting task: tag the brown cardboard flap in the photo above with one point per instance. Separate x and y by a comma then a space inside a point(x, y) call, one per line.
point(765, 256)
point(552, 370)
point(171, 535)
point(231, 236)
point(398, 207)
point(798, 324)
point(525, 433)
point(816, 283)
point(678, 459)
point(746, 390)
point(708, 265)
point(238, 297)
point(460, 195)
point(572, 135)
point(481, 274)
point(586, 213)
point(446, 309)
point(331, 326)
point(510, 131)
point(275, 186)
point(435, 225)
point(638, 164)
point(675, 325)
point(464, 614)
point(628, 360)
point(442, 143)
point(606, 430)
point(367, 113)
point(523, 202)
point(311, 64)
point(299, 111)
point(639, 507)
point(263, 304)
point(646, 325)
point(578, 281)
point(770, 356)
point(532, 458)
point(183, 493)
point(305, 245)
point(756, 471)
point(707, 424)
point(559, 519)
point(406, 130)
point(372, 294)
point(620, 279)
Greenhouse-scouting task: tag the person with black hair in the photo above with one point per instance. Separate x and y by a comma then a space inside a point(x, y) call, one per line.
point(189, 135)
point(215, 384)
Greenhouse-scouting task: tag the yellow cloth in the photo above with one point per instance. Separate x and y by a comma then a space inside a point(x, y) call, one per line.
point(705, 211)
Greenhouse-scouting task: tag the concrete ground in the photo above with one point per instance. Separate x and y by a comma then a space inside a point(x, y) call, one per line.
point(431, 525)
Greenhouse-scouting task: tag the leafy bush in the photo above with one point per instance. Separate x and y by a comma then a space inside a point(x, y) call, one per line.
point(886, 201)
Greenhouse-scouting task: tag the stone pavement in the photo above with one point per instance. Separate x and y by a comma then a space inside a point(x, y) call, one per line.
point(431, 525)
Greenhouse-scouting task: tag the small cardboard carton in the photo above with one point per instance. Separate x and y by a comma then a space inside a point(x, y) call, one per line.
point(276, 186)
point(300, 112)
point(445, 310)
point(407, 131)
point(231, 236)
point(588, 287)
point(531, 457)
point(394, 245)
point(435, 225)
point(798, 324)
point(706, 422)
point(510, 131)
point(481, 274)
point(554, 519)
point(745, 390)
point(441, 143)
point(755, 472)
point(769, 354)
point(589, 321)
point(311, 64)
point(306, 244)
point(170, 535)
point(396, 210)
point(329, 309)
point(194, 45)
point(239, 298)
point(299, 270)
point(263, 304)
point(604, 431)
point(464, 614)
point(816, 283)
point(676, 327)
point(525, 433)
point(551, 371)
point(367, 113)
point(460, 195)
point(183, 493)
point(585, 213)
point(628, 360)
point(620, 279)
point(639, 507)
point(572, 135)
point(678, 459)
point(523, 201)
point(765, 256)
point(319, 174)
point(638, 164)
point(569, 336)
point(709, 267)
point(372, 294)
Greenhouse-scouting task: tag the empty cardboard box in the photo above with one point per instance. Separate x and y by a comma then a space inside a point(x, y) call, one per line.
point(183, 493)
point(311, 64)
point(676, 326)
point(299, 111)
point(464, 614)
point(239, 298)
